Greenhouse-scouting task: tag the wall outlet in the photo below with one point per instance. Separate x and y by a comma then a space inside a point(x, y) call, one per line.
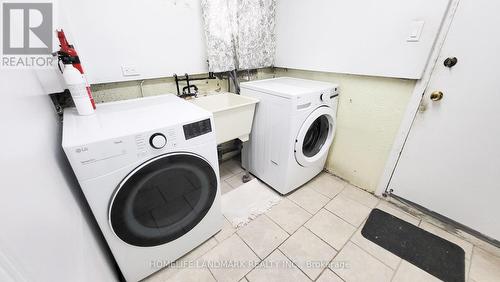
point(129, 71)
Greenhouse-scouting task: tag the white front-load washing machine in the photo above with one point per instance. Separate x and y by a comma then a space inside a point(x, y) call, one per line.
point(293, 130)
point(149, 171)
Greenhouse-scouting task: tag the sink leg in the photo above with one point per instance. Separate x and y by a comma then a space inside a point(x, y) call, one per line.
point(246, 177)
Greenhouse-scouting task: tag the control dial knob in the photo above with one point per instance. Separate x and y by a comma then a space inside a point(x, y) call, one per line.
point(158, 141)
point(325, 97)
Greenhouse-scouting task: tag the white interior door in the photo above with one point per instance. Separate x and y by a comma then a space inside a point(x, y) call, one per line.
point(451, 161)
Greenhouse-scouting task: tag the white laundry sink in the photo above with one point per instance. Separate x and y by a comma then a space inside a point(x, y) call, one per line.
point(233, 115)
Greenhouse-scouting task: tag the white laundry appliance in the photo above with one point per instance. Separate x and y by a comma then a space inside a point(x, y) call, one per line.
point(293, 130)
point(149, 171)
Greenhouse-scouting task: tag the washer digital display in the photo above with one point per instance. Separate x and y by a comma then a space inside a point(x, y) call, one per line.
point(196, 129)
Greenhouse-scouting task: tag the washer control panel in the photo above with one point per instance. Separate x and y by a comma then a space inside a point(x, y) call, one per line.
point(329, 95)
point(155, 142)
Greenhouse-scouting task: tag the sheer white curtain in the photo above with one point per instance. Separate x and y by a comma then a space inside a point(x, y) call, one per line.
point(239, 33)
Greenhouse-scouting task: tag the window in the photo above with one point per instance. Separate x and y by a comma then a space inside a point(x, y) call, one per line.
point(163, 199)
point(316, 136)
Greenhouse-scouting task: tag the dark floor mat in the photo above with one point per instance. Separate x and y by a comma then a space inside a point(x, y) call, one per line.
point(435, 255)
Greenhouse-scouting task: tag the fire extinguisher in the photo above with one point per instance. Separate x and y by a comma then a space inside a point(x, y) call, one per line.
point(74, 76)
point(78, 88)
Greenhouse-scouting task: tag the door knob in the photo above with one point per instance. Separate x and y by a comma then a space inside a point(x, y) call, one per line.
point(450, 62)
point(437, 95)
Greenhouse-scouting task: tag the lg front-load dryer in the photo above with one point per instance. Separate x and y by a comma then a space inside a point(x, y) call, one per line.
point(149, 171)
point(293, 130)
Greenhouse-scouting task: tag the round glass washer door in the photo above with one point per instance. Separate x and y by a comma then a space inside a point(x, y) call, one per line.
point(163, 199)
point(315, 136)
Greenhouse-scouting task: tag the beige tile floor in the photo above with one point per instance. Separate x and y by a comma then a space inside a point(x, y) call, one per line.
point(314, 234)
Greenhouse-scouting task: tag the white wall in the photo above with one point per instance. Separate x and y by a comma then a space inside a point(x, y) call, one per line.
point(46, 232)
point(157, 37)
point(367, 37)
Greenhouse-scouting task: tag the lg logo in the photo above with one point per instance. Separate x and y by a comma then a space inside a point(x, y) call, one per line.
point(81, 150)
point(27, 28)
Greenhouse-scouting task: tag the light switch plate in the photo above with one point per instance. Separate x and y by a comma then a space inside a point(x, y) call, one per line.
point(129, 71)
point(415, 31)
